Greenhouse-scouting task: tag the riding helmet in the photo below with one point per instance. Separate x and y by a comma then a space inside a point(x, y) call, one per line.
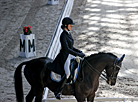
point(67, 21)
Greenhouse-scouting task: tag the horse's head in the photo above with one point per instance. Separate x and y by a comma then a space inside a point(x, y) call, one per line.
point(113, 70)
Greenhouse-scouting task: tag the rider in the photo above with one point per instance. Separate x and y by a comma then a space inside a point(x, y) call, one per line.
point(62, 61)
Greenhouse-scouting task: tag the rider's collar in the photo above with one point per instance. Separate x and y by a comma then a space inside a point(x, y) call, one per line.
point(67, 31)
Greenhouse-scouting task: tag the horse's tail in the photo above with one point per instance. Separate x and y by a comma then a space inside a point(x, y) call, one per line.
point(18, 83)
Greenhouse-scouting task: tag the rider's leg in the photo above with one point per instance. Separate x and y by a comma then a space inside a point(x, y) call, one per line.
point(60, 87)
point(64, 78)
point(66, 67)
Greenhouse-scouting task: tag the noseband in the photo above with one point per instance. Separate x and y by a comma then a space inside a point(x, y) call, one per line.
point(104, 76)
point(114, 69)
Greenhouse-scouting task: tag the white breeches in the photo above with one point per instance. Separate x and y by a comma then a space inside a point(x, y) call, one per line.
point(67, 65)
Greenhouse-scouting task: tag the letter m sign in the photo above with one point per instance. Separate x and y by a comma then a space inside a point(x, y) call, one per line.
point(27, 45)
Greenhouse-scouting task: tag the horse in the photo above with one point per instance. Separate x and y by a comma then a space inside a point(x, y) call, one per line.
point(38, 75)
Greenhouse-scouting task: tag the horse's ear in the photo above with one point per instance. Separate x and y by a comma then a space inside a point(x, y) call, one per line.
point(121, 59)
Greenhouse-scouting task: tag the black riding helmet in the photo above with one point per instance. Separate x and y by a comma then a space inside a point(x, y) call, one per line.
point(67, 21)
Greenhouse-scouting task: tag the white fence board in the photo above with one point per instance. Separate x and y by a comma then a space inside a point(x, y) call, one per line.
point(104, 99)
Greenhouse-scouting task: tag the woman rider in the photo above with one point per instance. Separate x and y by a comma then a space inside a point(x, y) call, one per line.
point(62, 62)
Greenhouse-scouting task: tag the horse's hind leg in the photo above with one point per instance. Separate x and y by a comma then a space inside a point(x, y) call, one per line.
point(30, 96)
point(39, 95)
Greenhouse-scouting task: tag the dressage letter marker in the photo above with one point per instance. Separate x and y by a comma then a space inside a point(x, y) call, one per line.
point(53, 2)
point(27, 45)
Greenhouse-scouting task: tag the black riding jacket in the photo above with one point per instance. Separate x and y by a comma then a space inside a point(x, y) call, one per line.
point(66, 48)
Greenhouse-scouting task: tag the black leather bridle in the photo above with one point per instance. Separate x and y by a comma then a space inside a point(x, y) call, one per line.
point(104, 76)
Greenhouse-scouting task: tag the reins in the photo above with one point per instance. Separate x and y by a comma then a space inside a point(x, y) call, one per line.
point(92, 68)
point(104, 76)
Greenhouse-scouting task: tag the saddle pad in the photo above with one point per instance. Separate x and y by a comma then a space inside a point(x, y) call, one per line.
point(56, 77)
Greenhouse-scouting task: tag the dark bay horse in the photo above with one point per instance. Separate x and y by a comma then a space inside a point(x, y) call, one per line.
point(38, 75)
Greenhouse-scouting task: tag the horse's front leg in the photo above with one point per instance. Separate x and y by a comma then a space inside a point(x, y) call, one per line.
point(80, 98)
point(90, 98)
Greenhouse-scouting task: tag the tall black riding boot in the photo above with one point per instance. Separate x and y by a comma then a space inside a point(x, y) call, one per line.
point(60, 87)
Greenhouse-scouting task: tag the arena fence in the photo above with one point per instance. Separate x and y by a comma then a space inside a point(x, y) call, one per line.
point(55, 45)
point(96, 100)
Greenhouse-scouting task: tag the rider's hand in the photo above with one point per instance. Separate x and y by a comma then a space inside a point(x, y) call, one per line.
point(81, 55)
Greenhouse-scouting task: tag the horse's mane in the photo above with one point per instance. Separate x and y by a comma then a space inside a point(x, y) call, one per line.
point(100, 53)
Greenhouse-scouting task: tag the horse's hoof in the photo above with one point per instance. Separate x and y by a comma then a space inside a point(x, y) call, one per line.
point(58, 97)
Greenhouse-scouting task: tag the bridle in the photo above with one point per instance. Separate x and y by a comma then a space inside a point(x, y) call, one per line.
point(104, 76)
point(114, 68)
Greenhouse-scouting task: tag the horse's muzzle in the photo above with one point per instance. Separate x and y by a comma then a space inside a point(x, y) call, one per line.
point(111, 82)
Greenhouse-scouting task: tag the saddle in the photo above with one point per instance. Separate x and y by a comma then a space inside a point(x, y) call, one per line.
point(74, 69)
